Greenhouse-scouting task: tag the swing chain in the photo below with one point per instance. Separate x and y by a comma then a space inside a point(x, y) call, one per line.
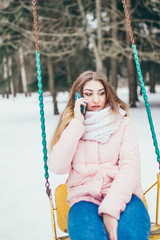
point(48, 190)
point(128, 22)
point(35, 24)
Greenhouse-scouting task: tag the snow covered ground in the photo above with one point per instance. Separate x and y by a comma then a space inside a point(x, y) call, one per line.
point(24, 205)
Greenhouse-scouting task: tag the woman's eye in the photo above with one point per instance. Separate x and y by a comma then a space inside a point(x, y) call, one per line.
point(102, 93)
point(88, 94)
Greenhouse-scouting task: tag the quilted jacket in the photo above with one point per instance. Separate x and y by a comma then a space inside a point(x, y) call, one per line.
point(105, 174)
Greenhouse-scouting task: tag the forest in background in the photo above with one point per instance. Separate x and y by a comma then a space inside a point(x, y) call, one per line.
point(75, 36)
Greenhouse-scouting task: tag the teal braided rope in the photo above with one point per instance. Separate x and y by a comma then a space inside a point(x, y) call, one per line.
point(40, 91)
point(146, 101)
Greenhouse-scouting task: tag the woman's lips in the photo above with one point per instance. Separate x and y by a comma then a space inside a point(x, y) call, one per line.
point(96, 107)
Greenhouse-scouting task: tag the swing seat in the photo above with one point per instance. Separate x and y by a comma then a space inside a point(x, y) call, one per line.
point(62, 210)
point(155, 231)
point(155, 227)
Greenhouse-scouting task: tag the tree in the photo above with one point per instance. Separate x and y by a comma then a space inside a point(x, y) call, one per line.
point(113, 80)
point(52, 84)
point(84, 34)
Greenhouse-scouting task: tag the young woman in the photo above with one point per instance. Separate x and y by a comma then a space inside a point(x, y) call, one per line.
point(99, 150)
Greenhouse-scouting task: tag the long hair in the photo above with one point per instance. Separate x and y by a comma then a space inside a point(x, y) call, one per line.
point(68, 113)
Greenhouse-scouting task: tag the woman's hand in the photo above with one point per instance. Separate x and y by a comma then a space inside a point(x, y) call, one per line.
point(111, 225)
point(77, 108)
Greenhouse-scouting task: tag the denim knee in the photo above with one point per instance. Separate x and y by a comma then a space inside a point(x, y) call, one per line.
point(134, 222)
point(85, 223)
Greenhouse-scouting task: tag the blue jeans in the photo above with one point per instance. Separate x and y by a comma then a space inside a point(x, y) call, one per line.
point(84, 223)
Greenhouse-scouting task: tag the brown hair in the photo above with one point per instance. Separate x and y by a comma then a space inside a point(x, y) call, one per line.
point(68, 113)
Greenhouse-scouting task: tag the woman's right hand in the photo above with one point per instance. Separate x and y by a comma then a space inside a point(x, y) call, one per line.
point(77, 108)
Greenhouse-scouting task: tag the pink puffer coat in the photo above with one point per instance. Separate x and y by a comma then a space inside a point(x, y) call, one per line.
point(105, 174)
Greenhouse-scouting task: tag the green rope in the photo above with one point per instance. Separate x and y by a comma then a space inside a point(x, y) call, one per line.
point(146, 102)
point(40, 91)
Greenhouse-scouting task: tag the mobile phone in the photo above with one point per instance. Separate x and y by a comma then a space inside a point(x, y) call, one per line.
point(83, 108)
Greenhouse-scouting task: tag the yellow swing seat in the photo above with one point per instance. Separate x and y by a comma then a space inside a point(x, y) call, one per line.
point(62, 210)
point(155, 231)
point(155, 227)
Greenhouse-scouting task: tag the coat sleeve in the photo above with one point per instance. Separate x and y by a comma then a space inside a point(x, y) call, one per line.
point(128, 176)
point(60, 158)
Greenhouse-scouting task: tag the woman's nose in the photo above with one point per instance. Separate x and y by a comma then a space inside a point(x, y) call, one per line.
point(95, 98)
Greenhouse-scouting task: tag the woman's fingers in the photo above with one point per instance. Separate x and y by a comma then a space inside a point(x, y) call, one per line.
point(77, 109)
point(81, 101)
point(112, 236)
point(111, 225)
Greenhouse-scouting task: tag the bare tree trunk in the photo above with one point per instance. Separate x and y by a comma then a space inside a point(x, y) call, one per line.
point(144, 76)
point(99, 47)
point(113, 79)
point(151, 67)
point(131, 69)
point(98, 58)
point(132, 98)
point(108, 66)
point(28, 68)
point(10, 76)
point(99, 29)
point(99, 63)
point(52, 86)
point(68, 73)
point(136, 82)
point(152, 78)
point(5, 76)
point(23, 72)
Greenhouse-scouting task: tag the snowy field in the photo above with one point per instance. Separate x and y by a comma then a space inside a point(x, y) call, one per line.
point(24, 205)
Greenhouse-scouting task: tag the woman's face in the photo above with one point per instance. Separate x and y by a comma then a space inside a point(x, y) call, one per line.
point(95, 93)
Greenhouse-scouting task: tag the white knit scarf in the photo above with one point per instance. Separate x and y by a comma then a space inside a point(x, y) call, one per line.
point(100, 125)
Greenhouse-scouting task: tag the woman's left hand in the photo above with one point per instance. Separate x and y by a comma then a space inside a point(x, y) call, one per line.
point(111, 225)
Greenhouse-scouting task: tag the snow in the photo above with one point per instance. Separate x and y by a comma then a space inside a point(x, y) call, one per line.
point(24, 205)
